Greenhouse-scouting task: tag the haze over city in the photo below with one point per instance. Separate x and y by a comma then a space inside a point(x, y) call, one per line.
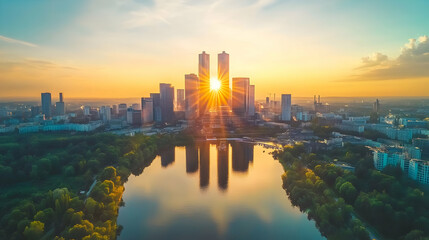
point(214, 120)
point(125, 48)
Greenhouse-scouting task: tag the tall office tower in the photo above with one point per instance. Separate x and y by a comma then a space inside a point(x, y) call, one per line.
point(156, 98)
point(251, 108)
point(122, 110)
point(115, 110)
point(267, 100)
point(137, 117)
point(240, 95)
point(223, 76)
point(60, 106)
point(46, 104)
point(166, 92)
point(191, 96)
point(286, 107)
point(376, 106)
point(136, 106)
point(204, 86)
point(130, 115)
point(105, 113)
point(180, 100)
point(147, 110)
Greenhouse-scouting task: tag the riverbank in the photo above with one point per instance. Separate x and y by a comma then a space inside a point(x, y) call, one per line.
point(389, 204)
point(62, 166)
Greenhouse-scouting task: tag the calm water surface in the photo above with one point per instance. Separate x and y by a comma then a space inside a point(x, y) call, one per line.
point(209, 191)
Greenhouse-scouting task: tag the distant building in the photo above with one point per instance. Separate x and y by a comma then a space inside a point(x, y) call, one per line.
point(35, 110)
point(318, 106)
point(376, 106)
point(167, 102)
point(60, 106)
point(115, 110)
point(147, 110)
point(122, 110)
point(46, 104)
point(130, 115)
point(240, 97)
point(180, 100)
point(204, 79)
point(105, 114)
point(223, 77)
point(251, 108)
point(137, 117)
point(136, 106)
point(156, 98)
point(191, 96)
point(286, 107)
point(87, 110)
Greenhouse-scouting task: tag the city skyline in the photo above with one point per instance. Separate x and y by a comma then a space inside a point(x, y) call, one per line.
point(299, 47)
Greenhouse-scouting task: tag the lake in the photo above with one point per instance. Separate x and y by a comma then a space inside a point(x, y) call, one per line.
point(212, 191)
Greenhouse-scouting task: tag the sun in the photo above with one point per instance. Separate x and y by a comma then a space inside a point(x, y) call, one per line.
point(214, 84)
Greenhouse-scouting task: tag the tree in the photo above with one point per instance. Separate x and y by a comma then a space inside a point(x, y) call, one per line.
point(109, 173)
point(35, 230)
point(348, 192)
point(46, 216)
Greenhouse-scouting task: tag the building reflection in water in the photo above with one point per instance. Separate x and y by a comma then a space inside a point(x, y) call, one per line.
point(204, 164)
point(222, 165)
point(242, 154)
point(191, 159)
point(198, 157)
point(167, 156)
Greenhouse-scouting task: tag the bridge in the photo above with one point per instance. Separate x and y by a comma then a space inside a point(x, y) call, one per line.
point(249, 140)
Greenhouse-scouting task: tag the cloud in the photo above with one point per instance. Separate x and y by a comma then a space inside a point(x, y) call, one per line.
point(376, 59)
point(413, 62)
point(16, 41)
point(10, 66)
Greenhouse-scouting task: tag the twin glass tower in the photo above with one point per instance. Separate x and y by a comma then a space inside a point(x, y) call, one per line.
point(207, 98)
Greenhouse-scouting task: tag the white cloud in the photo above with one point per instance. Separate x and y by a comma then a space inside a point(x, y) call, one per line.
point(16, 41)
point(413, 62)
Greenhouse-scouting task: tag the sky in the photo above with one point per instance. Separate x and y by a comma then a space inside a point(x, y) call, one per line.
point(125, 48)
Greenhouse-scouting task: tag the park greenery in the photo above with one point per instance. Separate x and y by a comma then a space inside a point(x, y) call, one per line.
point(42, 177)
point(340, 201)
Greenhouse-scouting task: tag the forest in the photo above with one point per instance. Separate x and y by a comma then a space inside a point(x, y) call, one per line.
point(395, 206)
point(45, 180)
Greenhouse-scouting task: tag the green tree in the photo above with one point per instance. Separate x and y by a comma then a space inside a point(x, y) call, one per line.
point(35, 230)
point(348, 192)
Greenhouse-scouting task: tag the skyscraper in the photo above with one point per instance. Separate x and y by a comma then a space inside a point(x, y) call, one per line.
point(156, 98)
point(376, 106)
point(240, 97)
point(286, 107)
point(167, 102)
point(147, 110)
point(122, 110)
point(223, 76)
point(60, 106)
point(105, 113)
point(180, 100)
point(204, 79)
point(251, 108)
point(46, 104)
point(191, 96)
